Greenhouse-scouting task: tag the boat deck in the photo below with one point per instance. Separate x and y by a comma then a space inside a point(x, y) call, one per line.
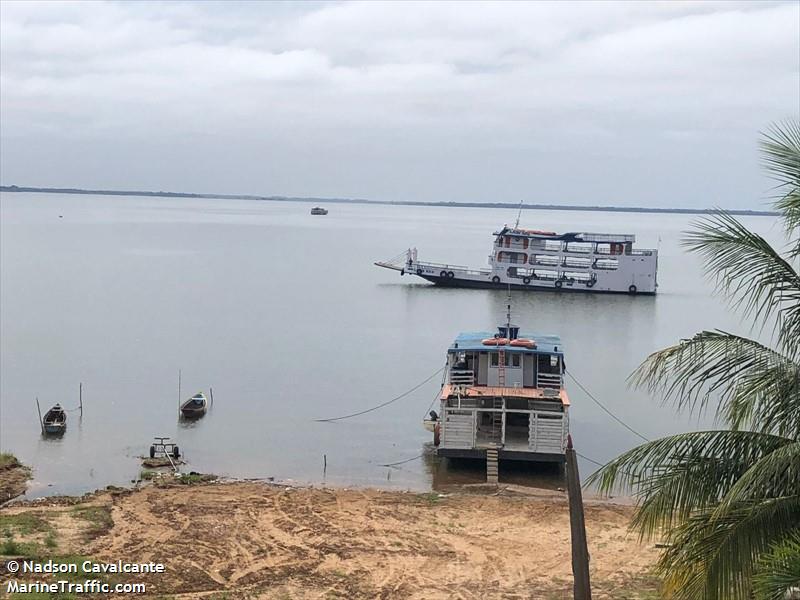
point(506, 392)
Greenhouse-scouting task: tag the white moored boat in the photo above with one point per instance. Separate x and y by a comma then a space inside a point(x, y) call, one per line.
point(527, 259)
point(504, 392)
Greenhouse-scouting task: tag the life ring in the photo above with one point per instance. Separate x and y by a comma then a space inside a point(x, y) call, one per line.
point(443, 274)
point(419, 270)
point(495, 341)
point(450, 274)
point(437, 432)
point(632, 289)
point(559, 283)
point(496, 279)
point(526, 280)
point(523, 342)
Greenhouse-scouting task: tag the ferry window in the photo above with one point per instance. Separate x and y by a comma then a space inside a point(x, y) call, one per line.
point(495, 359)
point(553, 360)
point(515, 360)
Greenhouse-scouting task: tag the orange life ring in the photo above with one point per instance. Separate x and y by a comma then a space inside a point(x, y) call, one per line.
point(524, 342)
point(495, 342)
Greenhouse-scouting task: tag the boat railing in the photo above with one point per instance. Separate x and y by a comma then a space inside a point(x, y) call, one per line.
point(462, 377)
point(548, 380)
point(440, 265)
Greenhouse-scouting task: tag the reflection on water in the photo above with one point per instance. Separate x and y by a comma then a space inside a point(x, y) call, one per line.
point(446, 473)
point(290, 320)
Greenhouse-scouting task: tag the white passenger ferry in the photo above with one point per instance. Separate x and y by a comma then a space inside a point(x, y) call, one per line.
point(504, 396)
point(527, 259)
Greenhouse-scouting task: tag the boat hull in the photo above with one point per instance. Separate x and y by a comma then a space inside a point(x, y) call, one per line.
point(193, 413)
point(55, 429)
point(457, 282)
point(478, 453)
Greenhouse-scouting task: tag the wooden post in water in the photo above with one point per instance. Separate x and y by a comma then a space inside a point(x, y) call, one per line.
point(80, 396)
point(179, 392)
point(39, 410)
point(211, 395)
point(577, 522)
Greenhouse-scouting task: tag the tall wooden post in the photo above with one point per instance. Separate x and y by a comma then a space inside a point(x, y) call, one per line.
point(80, 397)
point(577, 522)
point(39, 410)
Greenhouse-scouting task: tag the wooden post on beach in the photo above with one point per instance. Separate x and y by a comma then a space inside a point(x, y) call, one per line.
point(580, 552)
point(39, 410)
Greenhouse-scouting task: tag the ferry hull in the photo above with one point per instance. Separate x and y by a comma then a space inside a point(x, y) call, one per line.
point(478, 453)
point(457, 282)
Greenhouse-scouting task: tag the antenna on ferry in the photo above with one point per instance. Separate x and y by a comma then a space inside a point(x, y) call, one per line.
point(508, 312)
point(519, 214)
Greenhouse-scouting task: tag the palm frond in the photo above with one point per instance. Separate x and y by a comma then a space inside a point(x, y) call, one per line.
point(755, 386)
point(712, 558)
point(780, 151)
point(775, 474)
point(751, 274)
point(675, 476)
point(778, 570)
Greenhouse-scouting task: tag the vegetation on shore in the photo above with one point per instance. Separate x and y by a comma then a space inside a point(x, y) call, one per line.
point(728, 501)
point(14, 477)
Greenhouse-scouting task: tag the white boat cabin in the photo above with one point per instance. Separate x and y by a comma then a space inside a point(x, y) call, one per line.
point(505, 391)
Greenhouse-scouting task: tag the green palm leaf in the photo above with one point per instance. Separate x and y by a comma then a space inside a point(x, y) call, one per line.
point(780, 149)
point(753, 385)
point(779, 569)
point(712, 558)
point(678, 475)
point(752, 274)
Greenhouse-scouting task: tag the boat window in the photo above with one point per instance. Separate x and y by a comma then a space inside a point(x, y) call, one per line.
point(495, 359)
point(515, 360)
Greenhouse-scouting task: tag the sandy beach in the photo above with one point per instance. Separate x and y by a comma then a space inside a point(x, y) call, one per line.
point(254, 540)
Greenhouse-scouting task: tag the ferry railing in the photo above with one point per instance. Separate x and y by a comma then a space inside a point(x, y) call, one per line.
point(462, 377)
point(548, 380)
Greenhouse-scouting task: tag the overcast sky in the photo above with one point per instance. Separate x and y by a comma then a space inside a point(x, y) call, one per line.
point(654, 104)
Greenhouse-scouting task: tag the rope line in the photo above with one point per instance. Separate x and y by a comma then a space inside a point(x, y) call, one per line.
point(591, 460)
point(402, 462)
point(608, 412)
point(387, 403)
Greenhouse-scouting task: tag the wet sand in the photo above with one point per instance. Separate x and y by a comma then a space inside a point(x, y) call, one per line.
point(253, 540)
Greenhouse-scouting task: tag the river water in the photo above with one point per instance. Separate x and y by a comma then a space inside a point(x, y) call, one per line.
point(286, 318)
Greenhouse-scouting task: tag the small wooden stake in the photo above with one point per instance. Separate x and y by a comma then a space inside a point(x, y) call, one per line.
point(211, 395)
point(324, 463)
point(38, 408)
point(580, 551)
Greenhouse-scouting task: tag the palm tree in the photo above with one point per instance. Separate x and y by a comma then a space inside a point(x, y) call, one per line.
point(727, 502)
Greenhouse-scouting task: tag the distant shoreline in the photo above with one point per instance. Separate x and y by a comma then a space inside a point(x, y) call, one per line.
point(509, 205)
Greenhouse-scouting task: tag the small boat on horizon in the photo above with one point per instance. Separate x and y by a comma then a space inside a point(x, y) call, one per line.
point(318, 210)
point(195, 407)
point(55, 421)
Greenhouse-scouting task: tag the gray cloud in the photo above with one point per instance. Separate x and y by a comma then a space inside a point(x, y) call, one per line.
point(613, 103)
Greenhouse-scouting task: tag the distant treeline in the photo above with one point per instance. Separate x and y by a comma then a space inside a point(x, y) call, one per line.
point(511, 205)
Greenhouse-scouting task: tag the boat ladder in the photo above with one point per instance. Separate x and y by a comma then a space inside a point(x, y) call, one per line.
point(501, 367)
point(497, 420)
point(492, 466)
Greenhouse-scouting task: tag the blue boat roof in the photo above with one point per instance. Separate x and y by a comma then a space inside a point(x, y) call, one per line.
point(545, 343)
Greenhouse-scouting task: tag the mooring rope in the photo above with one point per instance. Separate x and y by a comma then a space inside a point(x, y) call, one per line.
point(607, 411)
point(387, 403)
